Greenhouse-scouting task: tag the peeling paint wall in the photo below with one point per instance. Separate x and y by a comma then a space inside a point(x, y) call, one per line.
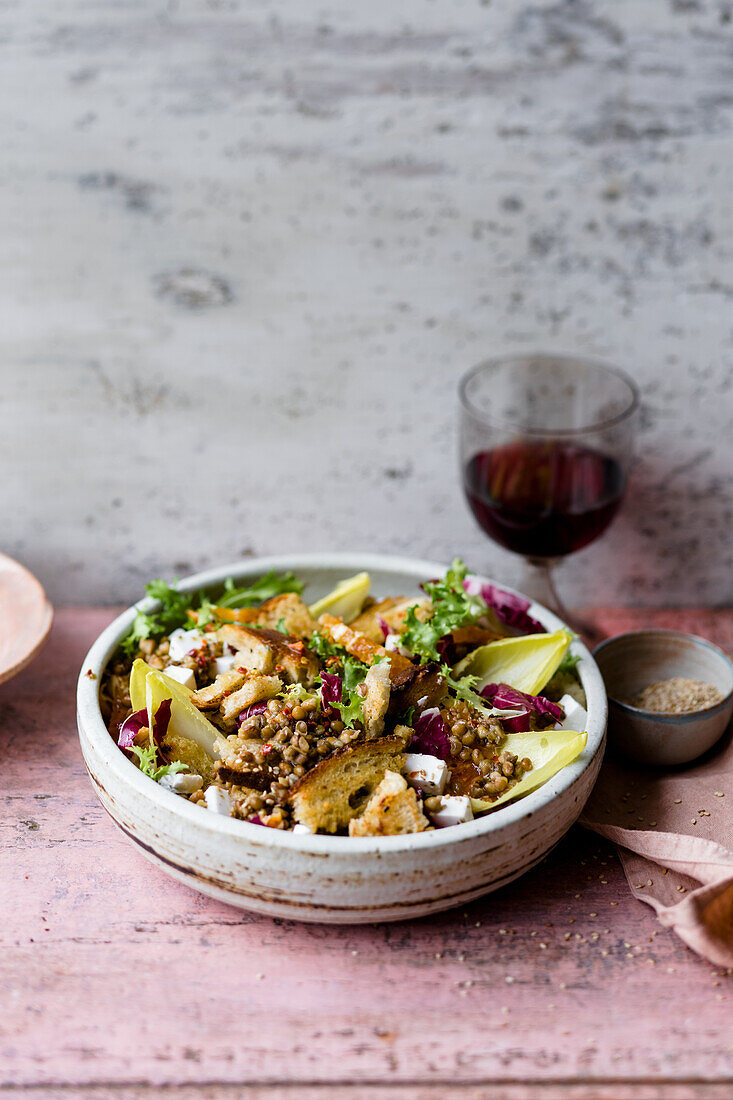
point(249, 248)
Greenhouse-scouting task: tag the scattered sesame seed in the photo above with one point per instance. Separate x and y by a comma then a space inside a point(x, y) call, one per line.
point(505, 1009)
point(719, 794)
point(576, 896)
point(682, 889)
point(614, 903)
point(550, 1006)
point(664, 870)
point(463, 992)
point(605, 952)
point(652, 823)
point(439, 954)
point(572, 920)
point(354, 952)
point(461, 958)
point(543, 947)
point(259, 977)
point(693, 821)
point(478, 923)
point(629, 955)
point(595, 935)
point(718, 996)
point(640, 886)
point(626, 944)
point(677, 801)
point(649, 882)
point(670, 970)
point(533, 933)
point(594, 914)
point(509, 981)
point(502, 931)
point(563, 985)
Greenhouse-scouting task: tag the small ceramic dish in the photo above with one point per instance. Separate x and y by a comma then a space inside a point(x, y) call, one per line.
point(630, 662)
point(25, 617)
point(333, 879)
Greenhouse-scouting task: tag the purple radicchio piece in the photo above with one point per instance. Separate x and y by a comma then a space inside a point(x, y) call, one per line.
point(504, 697)
point(131, 727)
point(510, 609)
point(431, 736)
point(251, 710)
point(331, 689)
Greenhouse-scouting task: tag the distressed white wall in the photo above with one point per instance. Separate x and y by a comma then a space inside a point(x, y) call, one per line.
point(249, 248)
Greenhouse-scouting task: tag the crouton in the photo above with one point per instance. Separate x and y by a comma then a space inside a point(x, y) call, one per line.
point(254, 690)
point(208, 698)
point(377, 688)
point(393, 611)
point(263, 650)
point(173, 747)
point(286, 613)
point(462, 641)
point(391, 811)
point(249, 772)
point(426, 689)
point(358, 645)
point(336, 789)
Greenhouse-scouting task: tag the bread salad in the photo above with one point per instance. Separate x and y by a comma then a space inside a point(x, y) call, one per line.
point(355, 714)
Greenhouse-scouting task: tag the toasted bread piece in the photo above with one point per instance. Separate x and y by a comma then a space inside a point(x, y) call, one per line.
point(231, 769)
point(173, 747)
point(462, 641)
point(358, 645)
point(391, 811)
point(393, 611)
point(287, 612)
point(254, 690)
point(426, 689)
point(263, 650)
point(208, 698)
point(329, 795)
point(377, 689)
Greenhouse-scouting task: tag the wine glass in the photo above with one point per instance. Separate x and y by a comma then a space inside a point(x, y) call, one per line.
point(546, 444)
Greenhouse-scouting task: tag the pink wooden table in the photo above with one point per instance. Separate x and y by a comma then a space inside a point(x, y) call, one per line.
point(116, 982)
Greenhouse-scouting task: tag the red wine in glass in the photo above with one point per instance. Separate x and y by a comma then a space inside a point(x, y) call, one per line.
point(544, 498)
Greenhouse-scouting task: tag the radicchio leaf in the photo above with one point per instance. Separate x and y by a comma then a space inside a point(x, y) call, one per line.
point(383, 627)
point(131, 727)
point(331, 689)
point(256, 820)
point(251, 710)
point(431, 736)
point(161, 721)
point(504, 697)
point(511, 609)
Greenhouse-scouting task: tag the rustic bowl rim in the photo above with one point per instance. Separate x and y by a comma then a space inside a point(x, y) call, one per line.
point(665, 718)
point(91, 722)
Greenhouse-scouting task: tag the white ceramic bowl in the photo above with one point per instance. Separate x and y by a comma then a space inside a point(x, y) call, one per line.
point(333, 879)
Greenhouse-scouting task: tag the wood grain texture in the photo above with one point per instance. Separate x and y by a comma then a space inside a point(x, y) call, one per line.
point(117, 981)
point(233, 222)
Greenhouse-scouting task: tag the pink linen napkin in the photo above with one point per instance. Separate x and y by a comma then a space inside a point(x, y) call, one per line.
point(674, 831)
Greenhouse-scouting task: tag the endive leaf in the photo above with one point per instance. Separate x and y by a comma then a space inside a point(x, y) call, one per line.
point(346, 600)
point(548, 750)
point(138, 676)
point(186, 721)
point(525, 663)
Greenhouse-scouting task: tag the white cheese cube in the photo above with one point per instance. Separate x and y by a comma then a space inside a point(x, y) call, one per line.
point(454, 810)
point(182, 675)
point(222, 664)
point(576, 718)
point(181, 782)
point(301, 828)
point(219, 801)
point(428, 773)
point(183, 641)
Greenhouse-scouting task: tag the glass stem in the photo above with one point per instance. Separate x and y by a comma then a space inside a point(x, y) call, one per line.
point(538, 582)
